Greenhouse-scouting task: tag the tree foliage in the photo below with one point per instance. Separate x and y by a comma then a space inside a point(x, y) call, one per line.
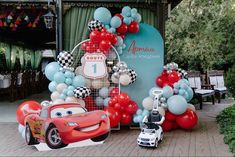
point(200, 35)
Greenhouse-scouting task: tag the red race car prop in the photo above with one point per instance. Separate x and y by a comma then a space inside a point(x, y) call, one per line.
point(59, 125)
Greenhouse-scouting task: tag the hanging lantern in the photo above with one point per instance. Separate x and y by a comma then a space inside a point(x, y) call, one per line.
point(48, 20)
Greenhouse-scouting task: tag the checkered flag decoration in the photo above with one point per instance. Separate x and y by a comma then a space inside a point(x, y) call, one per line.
point(95, 25)
point(183, 73)
point(65, 59)
point(132, 74)
point(82, 92)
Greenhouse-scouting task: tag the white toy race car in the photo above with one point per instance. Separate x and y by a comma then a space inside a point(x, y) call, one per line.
point(150, 137)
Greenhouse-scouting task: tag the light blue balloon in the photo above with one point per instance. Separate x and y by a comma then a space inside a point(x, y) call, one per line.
point(72, 75)
point(115, 22)
point(70, 93)
point(68, 74)
point(183, 86)
point(176, 85)
point(59, 77)
point(104, 92)
point(52, 86)
point(120, 52)
point(190, 94)
point(120, 41)
point(177, 104)
point(111, 30)
point(127, 20)
point(71, 88)
point(167, 91)
point(140, 118)
point(106, 102)
point(128, 14)
point(135, 119)
point(123, 46)
point(103, 15)
point(176, 91)
point(134, 16)
point(134, 11)
point(138, 18)
point(62, 96)
point(68, 81)
point(181, 92)
point(126, 10)
point(65, 91)
point(99, 101)
point(153, 89)
point(79, 81)
point(184, 81)
point(51, 69)
point(139, 112)
point(107, 26)
point(145, 113)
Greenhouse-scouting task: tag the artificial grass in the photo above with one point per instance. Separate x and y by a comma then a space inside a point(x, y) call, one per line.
point(226, 121)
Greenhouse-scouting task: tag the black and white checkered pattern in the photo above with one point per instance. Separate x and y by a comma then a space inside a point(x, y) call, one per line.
point(183, 73)
point(82, 92)
point(65, 59)
point(132, 74)
point(95, 25)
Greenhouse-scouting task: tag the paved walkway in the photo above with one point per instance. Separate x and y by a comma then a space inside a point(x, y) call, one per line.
point(204, 140)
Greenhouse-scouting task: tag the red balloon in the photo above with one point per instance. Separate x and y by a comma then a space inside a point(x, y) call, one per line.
point(170, 116)
point(133, 27)
point(120, 16)
point(114, 92)
point(122, 29)
point(122, 36)
point(187, 120)
point(109, 36)
point(126, 118)
point(166, 125)
point(159, 81)
point(124, 99)
point(84, 45)
point(25, 109)
point(132, 107)
point(113, 101)
point(105, 45)
point(173, 77)
point(175, 125)
point(122, 109)
point(95, 36)
point(117, 106)
point(103, 30)
point(114, 40)
point(114, 116)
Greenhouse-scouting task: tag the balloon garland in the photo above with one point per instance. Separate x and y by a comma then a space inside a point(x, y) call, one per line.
point(174, 101)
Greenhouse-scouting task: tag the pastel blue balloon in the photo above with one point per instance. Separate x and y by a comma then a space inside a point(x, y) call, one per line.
point(103, 15)
point(181, 92)
point(134, 16)
point(177, 104)
point(127, 20)
point(62, 96)
point(128, 14)
point(183, 85)
point(167, 91)
point(70, 93)
point(68, 81)
point(120, 41)
point(52, 86)
point(138, 18)
point(71, 88)
point(186, 96)
point(123, 46)
point(65, 91)
point(176, 91)
point(99, 101)
point(107, 26)
point(68, 74)
point(126, 10)
point(51, 69)
point(72, 75)
point(135, 119)
point(145, 113)
point(120, 52)
point(184, 81)
point(104, 92)
point(115, 22)
point(153, 89)
point(106, 102)
point(140, 118)
point(79, 81)
point(59, 77)
point(111, 30)
point(134, 11)
point(190, 94)
point(139, 112)
point(176, 85)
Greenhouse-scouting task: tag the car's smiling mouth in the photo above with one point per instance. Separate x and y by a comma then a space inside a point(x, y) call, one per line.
point(90, 128)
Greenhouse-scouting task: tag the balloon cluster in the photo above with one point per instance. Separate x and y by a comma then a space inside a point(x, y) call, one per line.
point(174, 67)
point(121, 109)
point(121, 23)
point(123, 75)
point(174, 100)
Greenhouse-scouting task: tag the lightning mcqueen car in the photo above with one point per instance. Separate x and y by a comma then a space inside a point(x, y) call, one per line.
point(59, 125)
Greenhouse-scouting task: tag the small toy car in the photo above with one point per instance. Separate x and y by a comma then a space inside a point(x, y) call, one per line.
point(61, 124)
point(150, 137)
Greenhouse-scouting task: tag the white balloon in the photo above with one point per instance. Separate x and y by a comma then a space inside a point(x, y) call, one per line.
point(79, 70)
point(192, 107)
point(55, 95)
point(45, 103)
point(58, 101)
point(88, 83)
point(148, 103)
point(60, 87)
point(114, 79)
point(106, 83)
point(97, 84)
point(125, 79)
point(20, 128)
point(161, 110)
point(71, 99)
point(23, 133)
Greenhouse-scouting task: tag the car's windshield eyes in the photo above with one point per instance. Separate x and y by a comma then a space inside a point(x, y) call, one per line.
point(61, 112)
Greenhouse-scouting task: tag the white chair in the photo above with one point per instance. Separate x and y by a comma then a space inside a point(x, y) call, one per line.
point(200, 90)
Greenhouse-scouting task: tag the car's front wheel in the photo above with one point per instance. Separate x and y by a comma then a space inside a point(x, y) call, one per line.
point(30, 140)
point(53, 138)
point(100, 138)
